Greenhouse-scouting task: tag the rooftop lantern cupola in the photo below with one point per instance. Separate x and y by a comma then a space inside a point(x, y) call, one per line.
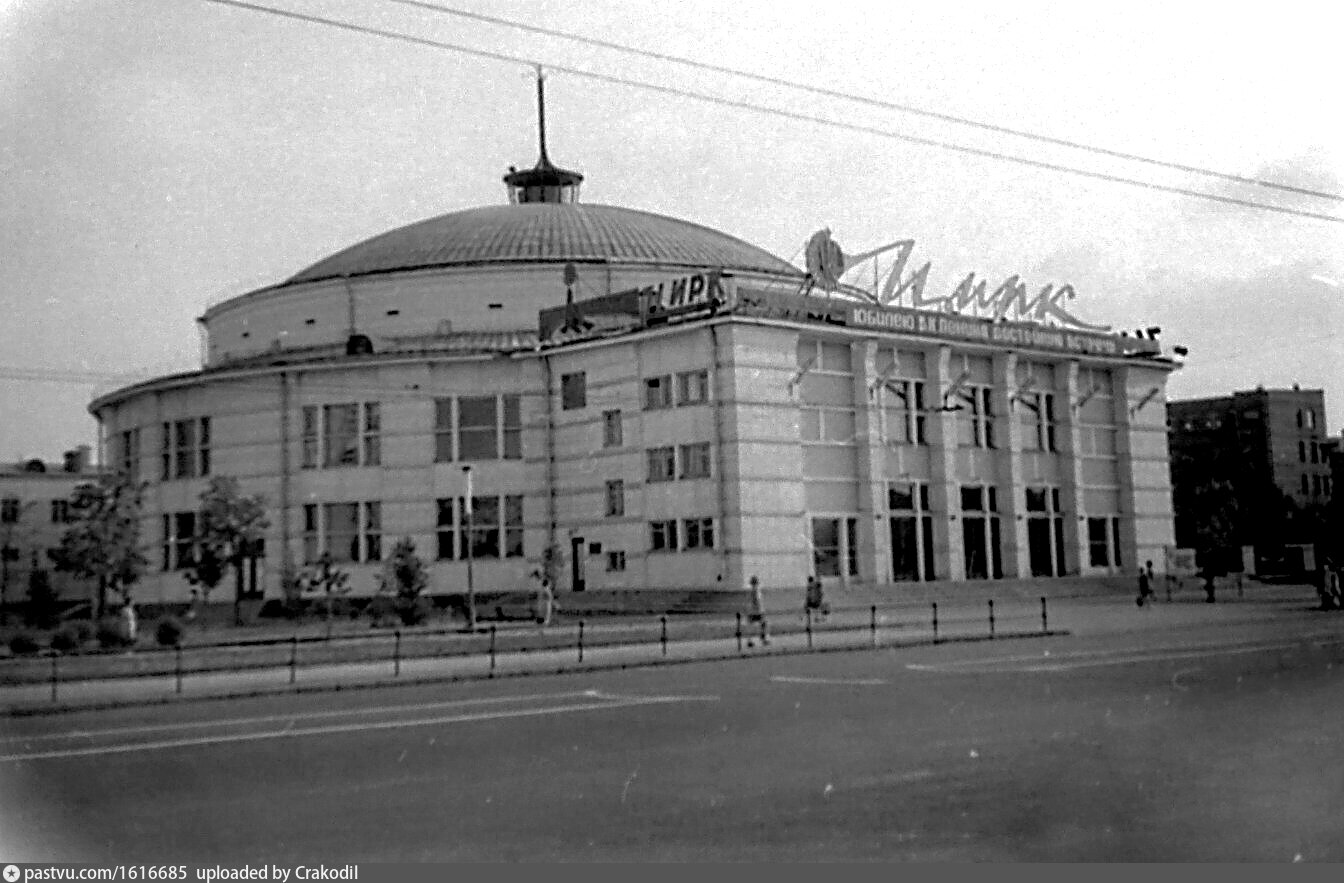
point(545, 182)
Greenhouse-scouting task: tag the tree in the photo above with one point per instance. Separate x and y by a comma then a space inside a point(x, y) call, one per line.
point(103, 542)
point(407, 577)
point(229, 528)
point(1214, 507)
point(43, 605)
point(205, 570)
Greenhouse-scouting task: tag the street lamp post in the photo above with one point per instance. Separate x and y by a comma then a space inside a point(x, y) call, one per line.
point(471, 585)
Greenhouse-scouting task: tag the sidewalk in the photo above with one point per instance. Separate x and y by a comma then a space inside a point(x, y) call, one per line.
point(617, 644)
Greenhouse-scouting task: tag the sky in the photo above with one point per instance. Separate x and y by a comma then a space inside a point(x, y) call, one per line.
point(157, 155)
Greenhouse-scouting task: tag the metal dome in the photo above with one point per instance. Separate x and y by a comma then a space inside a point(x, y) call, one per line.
point(545, 232)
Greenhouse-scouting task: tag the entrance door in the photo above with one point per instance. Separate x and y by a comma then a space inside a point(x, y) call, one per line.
point(904, 548)
point(1039, 542)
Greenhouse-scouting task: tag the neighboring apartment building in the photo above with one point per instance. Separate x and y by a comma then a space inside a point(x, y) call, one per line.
point(1270, 445)
point(35, 508)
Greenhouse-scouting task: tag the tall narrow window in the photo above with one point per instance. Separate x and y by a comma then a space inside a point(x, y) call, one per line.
point(573, 391)
point(485, 535)
point(911, 525)
point(980, 532)
point(443, 430)
point(663, 536)
point(340, 428)
point(476, 428)
point(310, 437)
point(615, 498)
point(612, 433)
point(130, 454)
point(445, 530)
point(511, 426)
point(513, 526)
point(692, 387)
point(372, 437)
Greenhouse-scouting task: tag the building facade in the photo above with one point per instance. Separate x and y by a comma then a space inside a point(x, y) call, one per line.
point(660, 404)
point(35, 507)
point(1269, 448)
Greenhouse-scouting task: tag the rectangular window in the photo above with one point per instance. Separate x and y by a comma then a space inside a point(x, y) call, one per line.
point(513, 526)
point(372, 436)
point(662, 464)
point(826, 546)
point(342, 530)
point(852, 546)
point(692, 387)
point(695, 460)
point(615, 498)
point(179, 537)
point(658, 392)
point(348, 532)
point(615, 562)
point(443, 430)
point(203, 447)
point(1098, 542)
point(310, 437)
point(61, 512)
point(484, 522)
point(975, 422)
point(663, 536)
point(186, 449)
point(476, 428)
point(980, 532)
point(573, 391)
point(445, 530)
point(512, 426)
point(613, 435)
point(1036, 417)
point(9, 510)
point(340, 430)
point(347, 434)
point(698, 533)
point(130, 454)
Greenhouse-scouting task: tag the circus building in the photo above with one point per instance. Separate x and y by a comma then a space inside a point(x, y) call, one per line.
point(664, 406)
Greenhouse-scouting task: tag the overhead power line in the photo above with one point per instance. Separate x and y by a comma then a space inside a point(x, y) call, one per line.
point(862, 99)
point(787, 114)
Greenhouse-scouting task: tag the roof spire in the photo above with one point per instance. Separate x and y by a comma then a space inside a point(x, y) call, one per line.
point(544, 182)
point(541, 116)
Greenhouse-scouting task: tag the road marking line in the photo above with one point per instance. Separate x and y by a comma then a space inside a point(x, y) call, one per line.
point(304, 715)
point(334, 729)
point(791, 679)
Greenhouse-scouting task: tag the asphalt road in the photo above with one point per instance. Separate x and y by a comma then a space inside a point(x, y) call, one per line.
point(1207, 743)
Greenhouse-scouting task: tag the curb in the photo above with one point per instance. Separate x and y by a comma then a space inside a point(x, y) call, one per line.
point(285, 690)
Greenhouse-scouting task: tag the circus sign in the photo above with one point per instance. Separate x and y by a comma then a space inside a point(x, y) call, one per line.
point(1009, 301)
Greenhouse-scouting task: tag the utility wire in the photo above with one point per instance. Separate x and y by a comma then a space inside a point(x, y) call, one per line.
point(787, 114)
point(872, 102)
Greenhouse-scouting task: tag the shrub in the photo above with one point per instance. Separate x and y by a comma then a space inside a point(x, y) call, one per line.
point(111, 633)
point(72, 636)
point(413, 611)
point(169, 631)
point(23, 643)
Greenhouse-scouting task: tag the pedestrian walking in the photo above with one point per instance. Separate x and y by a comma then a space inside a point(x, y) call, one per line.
point(756, 613)
point(1145, 587)
point(816, 598)
point(545, 602)
point(1208, 585)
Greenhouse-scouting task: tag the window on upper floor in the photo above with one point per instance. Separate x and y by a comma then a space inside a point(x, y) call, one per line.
point(692, 387)
point(573, 391)
point(339, 435)
point(658, 392)
point(613, 435)
point(185, 449)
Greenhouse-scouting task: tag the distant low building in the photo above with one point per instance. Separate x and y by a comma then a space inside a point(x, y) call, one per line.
point(35, 508)
point(1269, 448)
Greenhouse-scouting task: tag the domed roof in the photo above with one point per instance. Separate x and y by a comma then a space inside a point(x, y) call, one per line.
point(545, 232)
